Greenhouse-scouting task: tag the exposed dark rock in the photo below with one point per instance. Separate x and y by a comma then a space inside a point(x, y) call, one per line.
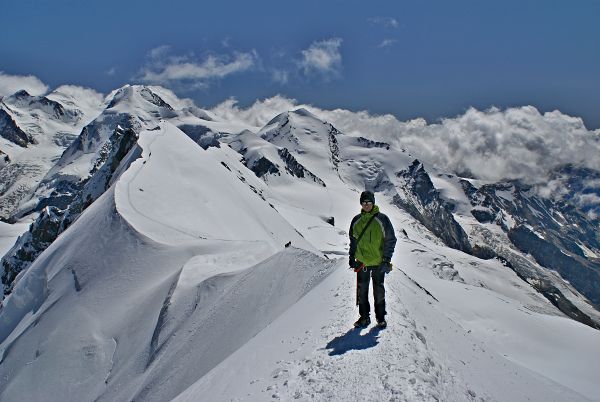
point(485, 253)
point(41, 234)
point(372, 144)
point(293, 167)
point(539, 281)
point(263, 166)
point(11, 131)
point(483, 215)
point(426, 205)
point(334, 148)
point(202, 135)
point(199, 113)
point(21, 94)
point(556, 297)
point(58, 109)
point(284, 120)
point(552, 232)
point(153, 98)
point(582, 274)
point(117, 147)
point(67, 202)
point(260, 166)
point(4, 159)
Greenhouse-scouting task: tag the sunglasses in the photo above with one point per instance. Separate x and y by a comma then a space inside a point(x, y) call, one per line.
point(366, 202)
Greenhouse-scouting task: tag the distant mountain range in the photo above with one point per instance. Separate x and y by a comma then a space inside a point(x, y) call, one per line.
point(142, 189)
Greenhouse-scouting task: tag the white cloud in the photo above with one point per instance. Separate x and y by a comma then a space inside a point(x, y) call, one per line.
point(322, 57)
point(111, 71)
point(164, 69)
point(9, 84)
point(256, 115)
point(87, 100)
point(387, 22)
point(159, 52)
point(590, 199)
point(280, 76)
point(81, 94)
point(589, 202)
point(387, 43)
point(592, 183)
point(490, 145)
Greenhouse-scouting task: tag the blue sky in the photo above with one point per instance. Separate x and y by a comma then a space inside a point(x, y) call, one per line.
point(428, 59)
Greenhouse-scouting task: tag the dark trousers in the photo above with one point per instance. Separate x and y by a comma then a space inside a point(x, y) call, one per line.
point(363, 279)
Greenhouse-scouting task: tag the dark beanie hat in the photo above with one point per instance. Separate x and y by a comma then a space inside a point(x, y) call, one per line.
point(367, 196)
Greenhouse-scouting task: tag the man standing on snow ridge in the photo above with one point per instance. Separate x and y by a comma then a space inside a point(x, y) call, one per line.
point(372, 242)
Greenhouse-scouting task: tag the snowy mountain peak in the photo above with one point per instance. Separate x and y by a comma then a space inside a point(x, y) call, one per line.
point(22, 94)
point(88, 101)
point(304, 113)
point(139, 97)
point(41, 104)
point(42, 127)
point(10, 130)
point(301, 132)
point(291, 120)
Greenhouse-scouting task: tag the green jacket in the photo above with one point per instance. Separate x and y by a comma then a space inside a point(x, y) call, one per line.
point(378, 242)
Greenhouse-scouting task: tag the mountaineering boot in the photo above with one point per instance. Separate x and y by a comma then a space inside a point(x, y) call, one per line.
point(362, 322)
point(381, 324)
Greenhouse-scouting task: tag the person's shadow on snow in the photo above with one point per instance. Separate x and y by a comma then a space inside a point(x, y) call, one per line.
point(353, 340)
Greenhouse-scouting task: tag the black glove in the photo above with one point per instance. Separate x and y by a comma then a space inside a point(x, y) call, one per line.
point(353, 263)
point(385, 267)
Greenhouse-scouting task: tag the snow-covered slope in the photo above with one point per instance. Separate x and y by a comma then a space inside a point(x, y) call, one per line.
point(47, 126)
point(472, 344)
point(173, 281)
point(140, 294)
